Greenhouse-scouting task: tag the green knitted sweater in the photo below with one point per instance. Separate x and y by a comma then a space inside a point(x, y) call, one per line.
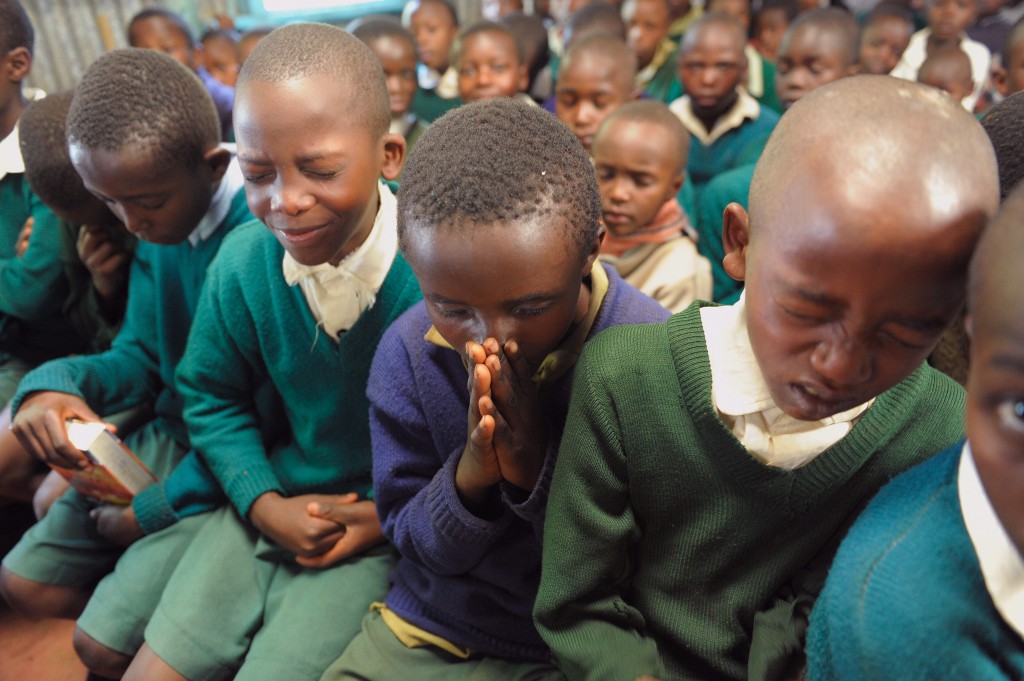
point(668, 548)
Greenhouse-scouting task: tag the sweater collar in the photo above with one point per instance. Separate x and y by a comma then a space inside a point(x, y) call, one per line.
point(745, 108)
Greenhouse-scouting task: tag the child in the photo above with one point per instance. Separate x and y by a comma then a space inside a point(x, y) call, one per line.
point(464, 508)
point(760, 79)
point(143, 135)
point(1008, 77)
point(395, 50)
point(947, 20)
point(532, 36)
point(32, 286)
point(948, 69)
point(300, 302)
point(164, 31)
point(647, 26)
point(219, 55)
point(729, 127)
point(884, 38)
point(434, 25)
point(683, 13)
point(704, 502)
point(770, 23)
point(819, 47)
point(596, 78)
point(640, 157)
point(249, 40)
point(936, 557)
point(489, 63)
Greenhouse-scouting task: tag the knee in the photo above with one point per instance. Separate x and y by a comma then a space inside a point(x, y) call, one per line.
point(36, 599)
point(98, 658)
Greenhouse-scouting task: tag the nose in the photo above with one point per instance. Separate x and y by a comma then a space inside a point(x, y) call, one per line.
point(619, 190)
point(842, 362)
point(484, 77)
point(290, 200)
point(131, 221)
point(499, 327)
point(585, 114)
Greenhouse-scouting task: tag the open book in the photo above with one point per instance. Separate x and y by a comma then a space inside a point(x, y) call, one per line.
point(114, 473)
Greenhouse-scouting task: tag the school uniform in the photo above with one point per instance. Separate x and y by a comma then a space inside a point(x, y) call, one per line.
point(436, 93)
point(702, 518)
point(927, 585)
point(462, 592)
point(164, 286)
point(728, 187)
point(917, 51)
point(310, 333)
point(660, 79)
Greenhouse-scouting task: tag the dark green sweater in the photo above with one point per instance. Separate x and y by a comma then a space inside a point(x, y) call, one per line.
point(668, 548)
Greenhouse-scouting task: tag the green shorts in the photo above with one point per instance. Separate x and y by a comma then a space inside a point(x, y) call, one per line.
point(376, 654)
point(239, 607)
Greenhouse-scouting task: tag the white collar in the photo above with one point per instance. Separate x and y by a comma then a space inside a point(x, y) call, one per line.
point(402, 123)
point(1001, 563)
point(745, 107)
point(11, 162)
point(220, 204)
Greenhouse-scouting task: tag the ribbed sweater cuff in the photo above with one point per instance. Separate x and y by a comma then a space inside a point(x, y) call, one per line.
point(458, 525)
point(533, 507)
point(152, 511)
point(48, 377)
point(249, 485)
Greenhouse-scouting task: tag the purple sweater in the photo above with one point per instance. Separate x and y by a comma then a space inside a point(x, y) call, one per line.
point(469, 580)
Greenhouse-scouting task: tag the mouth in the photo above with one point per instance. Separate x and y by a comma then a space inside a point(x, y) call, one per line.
point(815, 402)
point(300, 236)
point(616, 218)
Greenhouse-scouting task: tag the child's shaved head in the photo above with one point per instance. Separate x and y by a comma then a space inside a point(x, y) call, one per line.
point(301, 51)
point(717, 19)
point(840, 27)
point(948, 69)
point(15, 27)
point(656, 114)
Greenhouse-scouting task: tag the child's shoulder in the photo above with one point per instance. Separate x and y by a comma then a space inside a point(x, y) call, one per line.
point(624, 304)
point(249, 240)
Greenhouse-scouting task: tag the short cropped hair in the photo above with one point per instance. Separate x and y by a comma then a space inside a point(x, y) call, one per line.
point(609, 46)
point(837, 22)
point(372, 30)
point(655, 113)
point(214, 33)
point(532, 37)
point(48, 166)
point(167, 14)
point(410, 7)
point(789, 8)
point(145, 100)
point(1004, 125)
point(486, 26)
point(306, 50)
point(713, 19)
point(1015, 35)
point(500, 160)
point(597, 17)
point(15, 27)
point(890, 9)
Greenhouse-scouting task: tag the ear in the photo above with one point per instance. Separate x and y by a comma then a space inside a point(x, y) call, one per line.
point(677, 184)
point(17, 64)
point(595, 249)
point(217, 159)
point(969, 326)
point(853, 69)
point(393, 146)
point(735, 240)
point(1000, 81)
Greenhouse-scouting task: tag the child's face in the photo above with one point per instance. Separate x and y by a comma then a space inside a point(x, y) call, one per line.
point(771, 26)
point(636, 173)
point(162, 35)
point(588, 90)
point(1010, 77)
point(848, 286)
point(489, 67)
point(647, 22)
point(156, 203)
point(398, 59)
point(809, 58)
point(995, 400)
point(712, 69)
point(948, 18)
point(246, 46)
point(517, 281)
point(882, 44)
point(221, 59)
point(433, 30)
point(740, 9)
point(950, 80)
point(310, 171)
point(496, 9)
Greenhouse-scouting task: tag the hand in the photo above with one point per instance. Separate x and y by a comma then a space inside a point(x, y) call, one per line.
point(105, 259)
point(39, 426)
point(362, 530)
point(287, 521)
point(478, 470)
point(21, 245)
point(117, 524)
point(520, 434)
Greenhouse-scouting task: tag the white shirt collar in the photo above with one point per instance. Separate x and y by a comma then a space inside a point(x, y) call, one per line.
point(338, 295)
point(220, 204)
point(1002, 566)
point(744, 108)
point(11, 162)
point(743, 400)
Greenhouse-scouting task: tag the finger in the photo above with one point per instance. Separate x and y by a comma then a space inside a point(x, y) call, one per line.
point(336, 510)
point(98, 255)
point(475, 353)
point(482, 436)
point(492, 346)
point(520, 366)
point(60, 450)
point(480, 387)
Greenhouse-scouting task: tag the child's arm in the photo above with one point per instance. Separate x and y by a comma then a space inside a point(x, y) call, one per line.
point(33, 287)
point(107, 261)
point(362, 529)
point(590, 537)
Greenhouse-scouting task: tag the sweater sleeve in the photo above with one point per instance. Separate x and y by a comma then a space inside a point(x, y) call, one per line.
point(33, 287)
point(218, 382)
point(580, 610)
point(124, 375)
point(414, 482)
point(190, 489)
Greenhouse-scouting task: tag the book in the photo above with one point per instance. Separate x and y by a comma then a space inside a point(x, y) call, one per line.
point(113, 473)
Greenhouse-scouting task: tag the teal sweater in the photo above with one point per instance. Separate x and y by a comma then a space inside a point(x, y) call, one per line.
point(731, 186)
point(688, 556)
point(164, 286)
point(905, 598)
point(737, 147)
point(253, 330)
point(33, 287)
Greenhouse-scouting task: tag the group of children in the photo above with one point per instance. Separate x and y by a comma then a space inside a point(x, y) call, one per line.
point(468, 411)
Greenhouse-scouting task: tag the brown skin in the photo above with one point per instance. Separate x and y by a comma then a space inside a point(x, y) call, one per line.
point(432, 28)
point(14, 68)
point(590, 87)
point(503, 331)
point(219, 54)
point(489, 67)
point(646, 25)
point(163, 35)
point(809, 57)
point(711, 68)
point(638, 170)
point(951, 75)
point(769, 28)
point(398, 59)
point(948, 19)
point(1009, 78)
point(882, 43)
point(739, 9)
